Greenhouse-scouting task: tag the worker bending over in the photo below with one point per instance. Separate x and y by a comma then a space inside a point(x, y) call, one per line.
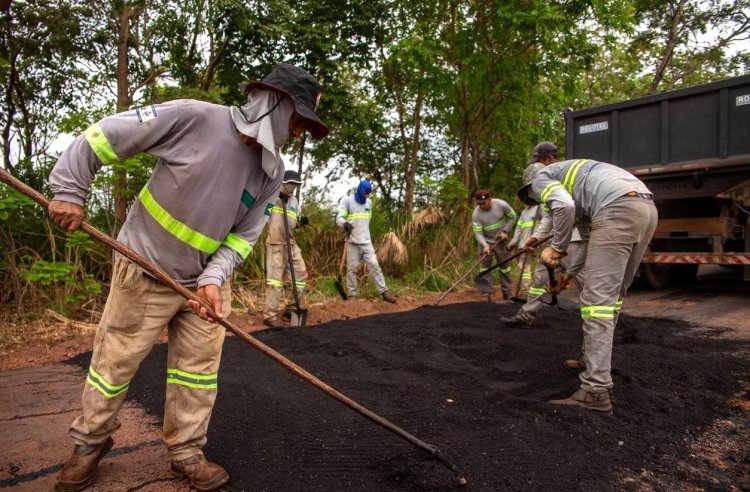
point(492, 221)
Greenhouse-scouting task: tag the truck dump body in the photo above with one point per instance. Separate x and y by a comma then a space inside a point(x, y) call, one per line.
point(691, 147)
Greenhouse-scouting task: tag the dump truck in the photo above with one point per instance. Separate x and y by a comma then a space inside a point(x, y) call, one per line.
point(691, 147)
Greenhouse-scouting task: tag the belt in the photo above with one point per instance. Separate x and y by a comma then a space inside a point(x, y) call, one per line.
point(645, 196)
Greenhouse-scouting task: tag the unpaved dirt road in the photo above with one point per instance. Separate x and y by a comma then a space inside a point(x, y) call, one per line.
point(39, 402)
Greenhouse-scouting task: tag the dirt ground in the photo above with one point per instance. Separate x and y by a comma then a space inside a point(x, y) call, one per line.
point(450, 375)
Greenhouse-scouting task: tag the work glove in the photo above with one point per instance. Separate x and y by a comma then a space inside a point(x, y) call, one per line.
point(503, 236)
point(530, 245)
point(303, 221)
point(550, 257)
point(348, 227)
point(284, 197)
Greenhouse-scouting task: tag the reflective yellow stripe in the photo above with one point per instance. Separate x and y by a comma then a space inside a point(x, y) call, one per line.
point(360, 215)
point(100, 145)
point(526, 276)
point(492, 227)
point(570, 176)
point(300, 284)
point(549, 189)
point(239, 244)
point(618, 305)
point(343, 213)
point(197, 381)
point(536, 291)
point(505, 270)
point(525, 224)
point(175, 227)
point(278, 210)
point(476, 227)
point(274, 283)
point(107, 389)
point(603, 312)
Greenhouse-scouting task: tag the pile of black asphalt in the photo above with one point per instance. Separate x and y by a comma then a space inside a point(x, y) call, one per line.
point(456, 378)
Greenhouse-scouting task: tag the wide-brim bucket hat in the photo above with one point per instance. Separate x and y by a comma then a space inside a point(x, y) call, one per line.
point(302, 88)
point(524, 192)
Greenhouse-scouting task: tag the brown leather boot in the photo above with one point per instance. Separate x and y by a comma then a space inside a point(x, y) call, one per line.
point(577, 364)
point(82, 467)
point(203, 474)
point(388, 297)
point(586, 399)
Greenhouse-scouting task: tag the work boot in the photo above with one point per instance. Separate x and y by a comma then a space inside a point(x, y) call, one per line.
point(388, 297)
point(203, 475)
point(83, 465)
point(273, 323)
point(519, 320)
point(287, 315)
point(577, 364)
point(518, 300)
point(599, 401)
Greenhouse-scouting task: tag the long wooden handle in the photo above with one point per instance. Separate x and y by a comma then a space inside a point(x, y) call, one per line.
point(157, 272)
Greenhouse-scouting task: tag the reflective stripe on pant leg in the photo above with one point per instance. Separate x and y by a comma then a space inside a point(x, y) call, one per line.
point(192, 367)
point(134, 317)
point(368, 253)
point(300, 275)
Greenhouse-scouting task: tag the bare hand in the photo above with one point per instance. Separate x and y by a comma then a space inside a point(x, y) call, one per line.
point(530, 245)
point(486, 249)
point(67, 215)
point(503, 236)
point(212, 295)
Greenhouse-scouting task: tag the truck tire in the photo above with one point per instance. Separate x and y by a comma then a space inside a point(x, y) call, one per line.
point(682, 274)
point(656, 275)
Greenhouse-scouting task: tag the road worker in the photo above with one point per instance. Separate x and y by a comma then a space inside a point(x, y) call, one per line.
point(528, 221)
point(354, 215)
point(209, 197)
point(492, 221)
point(277, 261)
point(617, 218)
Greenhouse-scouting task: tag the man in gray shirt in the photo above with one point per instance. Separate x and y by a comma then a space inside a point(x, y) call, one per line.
point(209, 197)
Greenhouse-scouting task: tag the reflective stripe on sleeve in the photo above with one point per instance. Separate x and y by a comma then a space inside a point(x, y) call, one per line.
point(238, 244)
point(197, 381)
point(525, 224)
point(618, 305)
point(100, 145)
point(279, 210)
point(104, 387)
point(602, 312)
point(549, 189)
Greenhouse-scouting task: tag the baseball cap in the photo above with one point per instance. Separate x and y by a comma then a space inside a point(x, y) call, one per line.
point(542, 149)
point(482, 195)
point(303, 89)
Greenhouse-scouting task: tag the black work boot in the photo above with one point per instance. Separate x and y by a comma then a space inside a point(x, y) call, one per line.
point(82, 467)
point(518, 320)
point(577, 364)
point(599, 401)
point(203, 475)
point(274, 323)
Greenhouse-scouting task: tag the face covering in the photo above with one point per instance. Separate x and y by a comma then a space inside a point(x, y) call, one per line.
point(364, 187)
point(271, 130)
point(289, 188)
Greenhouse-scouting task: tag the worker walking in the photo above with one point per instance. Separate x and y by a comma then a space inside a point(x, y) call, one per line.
point(528, 221)
point(617, 219)
point(492, 221)
point(218, 174)
point(354, 215)
point(277, 261)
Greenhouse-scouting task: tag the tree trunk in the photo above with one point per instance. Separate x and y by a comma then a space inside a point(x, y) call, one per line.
point(672, 40)
point(119, 175)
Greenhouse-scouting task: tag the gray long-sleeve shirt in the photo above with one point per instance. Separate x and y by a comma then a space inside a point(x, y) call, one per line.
point(574, 191)
point(359, 216)
point(208, 198)
point(486, 225)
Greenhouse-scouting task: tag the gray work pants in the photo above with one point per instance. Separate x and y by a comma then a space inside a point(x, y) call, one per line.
point(500, 254)
point(355, 253)
point(620, 234)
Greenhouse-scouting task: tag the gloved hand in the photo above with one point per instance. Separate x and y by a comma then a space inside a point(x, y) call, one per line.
point(551, 257)
point(503, 236)
point(348, 227)
point(530, 244)
point(303, 221)
point(284, 197)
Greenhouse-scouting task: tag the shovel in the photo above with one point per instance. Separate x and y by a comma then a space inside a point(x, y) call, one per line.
point(337, 283)
point(483, 281)
point(299, 315)
point(551, 299)
point(277, 357)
